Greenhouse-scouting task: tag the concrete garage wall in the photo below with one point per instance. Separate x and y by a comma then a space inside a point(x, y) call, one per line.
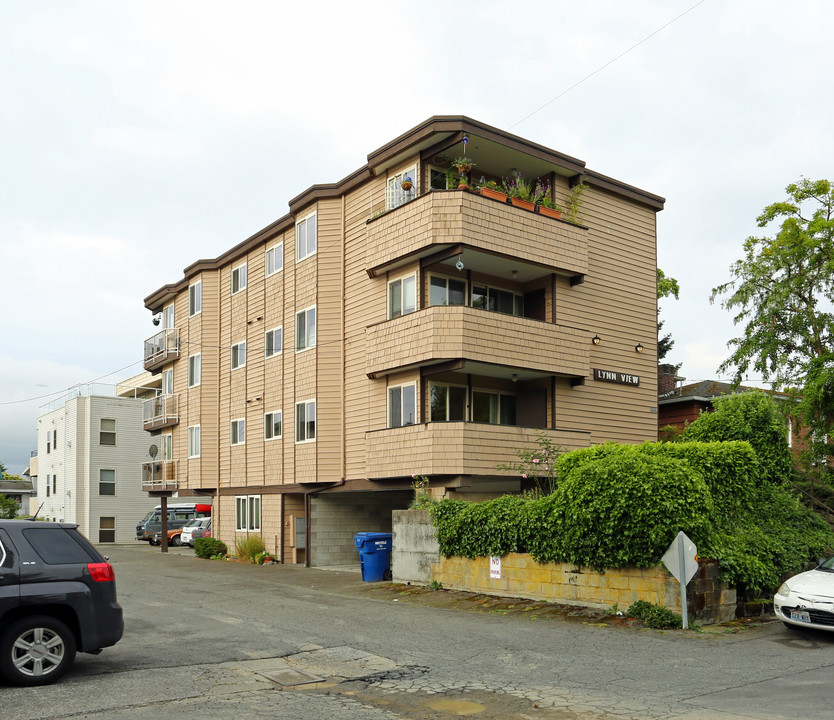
point(336, 517)
point(415, 547)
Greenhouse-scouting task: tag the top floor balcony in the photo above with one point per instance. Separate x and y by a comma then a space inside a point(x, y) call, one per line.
point(482, 230)
point(162, 348)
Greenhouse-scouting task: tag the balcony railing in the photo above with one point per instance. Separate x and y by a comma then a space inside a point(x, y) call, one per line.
point(456, 448)
point(159, 475)
point(447, 332)
point(162, 348)
point(161, 411)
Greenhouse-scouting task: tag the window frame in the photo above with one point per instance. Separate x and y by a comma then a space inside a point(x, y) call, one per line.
point(252, 519)
point(194, 432)
point(195, 369)
point(466, 401)
point(195, 298)
point(237, 432)
point(267, 334)
point(395, 196)
point(113, 432)
point(401, 280)
point(102, 538)
point(400, 386)
point(306, 438)
point(238, 272)
point(500, 394)
point(109, 483)
point(447, 279)
point(305, 312)
point(271, 425)
point(305, 222)
point(238, 350)
point(274, 252)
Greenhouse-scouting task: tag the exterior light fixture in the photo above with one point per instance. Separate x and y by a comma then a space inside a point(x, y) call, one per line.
point(515, 377)
point(638, 347)
point(595, 340)
point(156, 318)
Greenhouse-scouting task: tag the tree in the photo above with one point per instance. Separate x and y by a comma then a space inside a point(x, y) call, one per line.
point(666, 286)
point(8, 508)
point(782, 292)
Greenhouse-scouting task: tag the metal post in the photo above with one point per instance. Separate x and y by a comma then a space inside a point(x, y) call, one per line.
point(164, 539)
point(682, 564)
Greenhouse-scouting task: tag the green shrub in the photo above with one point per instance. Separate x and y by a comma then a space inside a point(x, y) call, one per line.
point(247, 548)
point(209, 547)
point(654, 616)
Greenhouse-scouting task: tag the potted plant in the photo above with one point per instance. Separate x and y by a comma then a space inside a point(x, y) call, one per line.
point(549, 208)
point(493, 190)
point(407, 183)
point(520, 191)
point(463, 165)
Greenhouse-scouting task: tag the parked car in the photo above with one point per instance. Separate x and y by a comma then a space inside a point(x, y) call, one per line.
point(194, 529)
point(178, 515)
point(807, 600)
point(173, 537)
point(57, 597)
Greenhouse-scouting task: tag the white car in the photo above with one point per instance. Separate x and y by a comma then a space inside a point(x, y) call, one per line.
point(193, 528)
point(807, 600)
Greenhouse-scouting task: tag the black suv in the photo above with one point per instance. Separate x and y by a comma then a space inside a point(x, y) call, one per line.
point(57, 595)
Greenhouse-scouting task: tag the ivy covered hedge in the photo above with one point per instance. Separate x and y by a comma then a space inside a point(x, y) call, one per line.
point(620, 505)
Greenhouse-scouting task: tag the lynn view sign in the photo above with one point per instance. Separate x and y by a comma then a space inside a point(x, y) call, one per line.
point(613, 376)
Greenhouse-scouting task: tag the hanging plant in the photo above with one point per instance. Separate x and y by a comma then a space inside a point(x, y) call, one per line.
point(407, 184)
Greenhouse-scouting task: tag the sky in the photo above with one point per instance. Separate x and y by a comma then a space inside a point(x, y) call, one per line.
point(136, 138)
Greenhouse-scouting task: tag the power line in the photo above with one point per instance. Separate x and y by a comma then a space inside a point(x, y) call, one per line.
point(610, 62)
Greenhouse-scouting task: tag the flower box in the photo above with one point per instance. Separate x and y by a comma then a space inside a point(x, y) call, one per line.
point(494, 194)
point(549, 212)
point(525, 204)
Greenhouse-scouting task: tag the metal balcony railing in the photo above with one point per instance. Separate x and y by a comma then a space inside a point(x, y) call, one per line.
point(159, 475)
point(161, 411)
point(161, 348)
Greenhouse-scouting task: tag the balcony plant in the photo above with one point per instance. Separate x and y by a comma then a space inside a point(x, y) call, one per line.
point(407, 183)
point(549, 208)
point(463, 166)
point(522, 192)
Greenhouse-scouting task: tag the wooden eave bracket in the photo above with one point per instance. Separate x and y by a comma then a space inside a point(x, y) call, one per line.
point(577, 280)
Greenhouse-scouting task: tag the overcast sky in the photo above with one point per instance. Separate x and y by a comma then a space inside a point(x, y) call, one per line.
point(139, 137)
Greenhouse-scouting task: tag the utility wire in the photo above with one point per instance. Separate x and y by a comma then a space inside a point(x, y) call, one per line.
point(610, 62)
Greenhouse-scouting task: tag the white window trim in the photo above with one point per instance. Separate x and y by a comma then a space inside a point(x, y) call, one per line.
point(305, 220)
point(269, 332)
point(199, 284)
point(241, 423)
point(237, 353)
point(273, 249)
point(315, 335)
point(198, 359)
point(396, 179)
point(248, 501)
point(241, 286)
point(295, 422)
point(190, 447)
point(274, 437)
point(388, 403)
point(100, 470)
point(167, 442)
point(400, 280)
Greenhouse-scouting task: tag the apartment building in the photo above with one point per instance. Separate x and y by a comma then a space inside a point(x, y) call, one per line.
point(393, 324)
point(91, 443)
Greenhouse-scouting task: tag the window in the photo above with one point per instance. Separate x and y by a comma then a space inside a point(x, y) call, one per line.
point(48, 485)
point(168, 447)
point(107, 432)
point(396, 194)
point(238, 436)
point(195, 298)
point(402, 296)
point(167, 382)
point(448, 403)
point(272, 425)
point(193, 441)
point(106, 482)
point(305, 329)
point(60, 546)
point(305, 237)
point(502, 301)
point(195, 366)
point(168, 317)
point(446, 291)
point(274, 259)
point(274, 342)
point(305, 421)
point(239, 278)
point(437, 179)
point(238, 355)
point(402, 405)
point(493, 407)
point(107, 529)
point(54, 484)
point(247, 512)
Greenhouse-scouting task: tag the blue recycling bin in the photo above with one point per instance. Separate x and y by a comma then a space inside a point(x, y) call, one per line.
point(374, 555)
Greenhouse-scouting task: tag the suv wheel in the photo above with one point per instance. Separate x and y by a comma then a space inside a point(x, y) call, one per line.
point(36, 650)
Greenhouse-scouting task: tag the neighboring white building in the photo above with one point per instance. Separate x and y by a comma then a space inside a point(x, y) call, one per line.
point(91, 446)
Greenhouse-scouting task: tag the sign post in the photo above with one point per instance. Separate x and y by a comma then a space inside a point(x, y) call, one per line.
point(681, 559)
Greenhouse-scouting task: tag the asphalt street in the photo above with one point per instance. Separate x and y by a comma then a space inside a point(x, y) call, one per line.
point(218, 640)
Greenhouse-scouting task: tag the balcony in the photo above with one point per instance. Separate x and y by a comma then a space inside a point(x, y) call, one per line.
point(159, 476)
point(455, 448)
point(160, 412)
point(162, 348)
point(457, 332)
point(487, 232)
